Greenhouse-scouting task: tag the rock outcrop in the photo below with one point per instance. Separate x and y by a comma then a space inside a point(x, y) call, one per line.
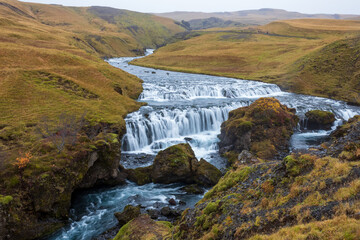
point(176, 164)
point(264, 128)
point(303, 191)
point(317, 119)
point(41, 204)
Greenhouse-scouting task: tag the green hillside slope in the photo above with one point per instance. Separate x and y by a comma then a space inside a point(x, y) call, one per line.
point(62, 107)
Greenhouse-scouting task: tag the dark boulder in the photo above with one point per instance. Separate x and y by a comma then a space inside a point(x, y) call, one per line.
point(206, 174)
point(176, 164)
point(317, 119)
point(140, 176)
point(130, 212)
point(193, 189)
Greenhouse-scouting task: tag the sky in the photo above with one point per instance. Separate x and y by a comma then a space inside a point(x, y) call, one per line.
point(158, 6)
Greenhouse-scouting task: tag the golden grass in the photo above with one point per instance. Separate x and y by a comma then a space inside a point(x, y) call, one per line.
point(339, 228)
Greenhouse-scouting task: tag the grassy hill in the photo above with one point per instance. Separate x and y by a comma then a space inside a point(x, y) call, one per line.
point(257, 17)
point(310, 56)
point(62, 107)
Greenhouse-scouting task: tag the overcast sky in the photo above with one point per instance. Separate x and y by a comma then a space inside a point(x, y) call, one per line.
point(157, 6)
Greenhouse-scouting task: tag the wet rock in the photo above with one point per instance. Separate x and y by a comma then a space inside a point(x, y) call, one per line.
point(182, 203)
point(130, 212)
point(172, 202)
point(317, 119)
point(165, 211)
point(176, 164)
point(193, 189)
point(169, 212)
point(264, 128)
point(140, 175)
point(153, 213)
point(207, 174)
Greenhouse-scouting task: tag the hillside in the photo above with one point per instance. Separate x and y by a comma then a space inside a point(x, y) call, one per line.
point(251, 17)
point(302, 56)
point(63, 107)
point(197, 24)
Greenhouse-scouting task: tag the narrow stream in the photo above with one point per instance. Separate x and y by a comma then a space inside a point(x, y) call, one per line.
point(181, 108)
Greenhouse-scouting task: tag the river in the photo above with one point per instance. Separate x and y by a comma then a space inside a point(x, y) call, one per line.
point(182, 107)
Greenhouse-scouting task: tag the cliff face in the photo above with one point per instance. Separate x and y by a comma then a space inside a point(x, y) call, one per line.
point(41, 195)
point(264, 128)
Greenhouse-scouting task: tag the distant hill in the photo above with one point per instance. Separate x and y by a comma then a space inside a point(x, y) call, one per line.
point(213, 22)
point(261, 16)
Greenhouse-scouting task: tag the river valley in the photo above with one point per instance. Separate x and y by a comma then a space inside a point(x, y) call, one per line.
point(182, 107)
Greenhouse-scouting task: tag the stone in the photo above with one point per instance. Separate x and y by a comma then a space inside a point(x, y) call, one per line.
point(130, 212)
point(174, 164)
point(207, 174)
point(317, 119)
point(172, 202)
point(193, 189)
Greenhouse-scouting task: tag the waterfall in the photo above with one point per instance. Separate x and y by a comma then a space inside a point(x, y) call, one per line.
point(172, 92)
point(144, 129)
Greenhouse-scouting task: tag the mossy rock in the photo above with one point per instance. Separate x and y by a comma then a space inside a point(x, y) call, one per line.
point(143, 227)
point(5, 200)
point(140, 175)
point(317, 119)
point(207, 174)
point(174, 164)
point(193, 189)
point(264, 128)
point(130, 212)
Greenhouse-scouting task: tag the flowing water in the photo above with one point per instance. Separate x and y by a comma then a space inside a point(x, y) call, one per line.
point(181, 108)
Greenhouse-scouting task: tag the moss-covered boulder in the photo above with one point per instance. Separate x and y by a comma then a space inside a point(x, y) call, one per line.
point(264, 128)
point(317, 119)
point(176, 164)
point(140, 175)
point(130, 212)
point(144, 228)
point(206, 174)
